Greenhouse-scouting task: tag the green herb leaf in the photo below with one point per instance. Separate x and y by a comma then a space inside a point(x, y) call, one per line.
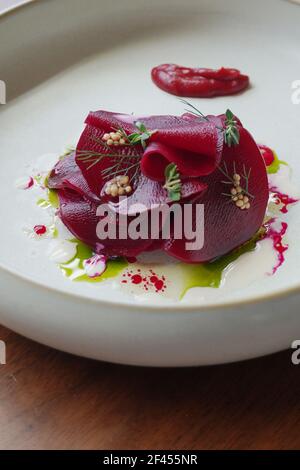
point(173, 182)
point(134, 138)
point(140, 137)
point(229, 115)
point(231, 132)
point(140, 126)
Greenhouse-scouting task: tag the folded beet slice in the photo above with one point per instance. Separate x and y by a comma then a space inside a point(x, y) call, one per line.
point(79, 216)
point(226, 225)
point(78, 213)
point(157, 156)
point(67, 174)
point(195, 145)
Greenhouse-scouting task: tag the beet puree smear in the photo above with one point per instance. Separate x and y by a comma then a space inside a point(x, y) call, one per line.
point(199, 82)
point(231, 181)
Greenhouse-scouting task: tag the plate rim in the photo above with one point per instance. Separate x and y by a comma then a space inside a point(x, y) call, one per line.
point(175, 306)
point(17, 6)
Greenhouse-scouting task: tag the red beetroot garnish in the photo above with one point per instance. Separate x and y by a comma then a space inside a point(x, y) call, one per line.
point(199, 150)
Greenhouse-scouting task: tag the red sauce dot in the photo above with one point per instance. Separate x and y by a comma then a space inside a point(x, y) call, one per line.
point(267, 154)
point(159, 284)
point(30, 183)
point(40, 229)
point(136, 279)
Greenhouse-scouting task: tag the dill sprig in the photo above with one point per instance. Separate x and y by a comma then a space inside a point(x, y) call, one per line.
point(193, 110)
point(121, 162)
point(230, 131)
point(245, 175)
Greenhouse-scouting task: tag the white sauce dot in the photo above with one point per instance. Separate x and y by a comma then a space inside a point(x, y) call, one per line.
point(61, 251)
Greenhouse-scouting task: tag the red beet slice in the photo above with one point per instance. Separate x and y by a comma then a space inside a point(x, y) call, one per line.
point(67, 174)
point(226, 226)
point(79, 215)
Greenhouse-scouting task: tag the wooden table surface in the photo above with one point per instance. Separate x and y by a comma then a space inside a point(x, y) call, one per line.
point(52, 400)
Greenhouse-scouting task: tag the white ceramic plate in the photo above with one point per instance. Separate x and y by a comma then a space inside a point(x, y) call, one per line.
point(60, 59)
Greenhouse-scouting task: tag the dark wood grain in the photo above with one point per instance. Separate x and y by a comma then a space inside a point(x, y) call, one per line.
point(52, 400)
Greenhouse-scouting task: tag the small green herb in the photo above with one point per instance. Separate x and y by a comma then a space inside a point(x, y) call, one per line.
point(173, 182)
point(231, 132)
point(140, 137)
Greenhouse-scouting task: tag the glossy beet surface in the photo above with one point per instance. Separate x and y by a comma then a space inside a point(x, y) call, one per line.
point(198, 149)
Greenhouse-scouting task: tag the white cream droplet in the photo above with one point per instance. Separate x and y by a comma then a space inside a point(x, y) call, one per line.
point(61, 251)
